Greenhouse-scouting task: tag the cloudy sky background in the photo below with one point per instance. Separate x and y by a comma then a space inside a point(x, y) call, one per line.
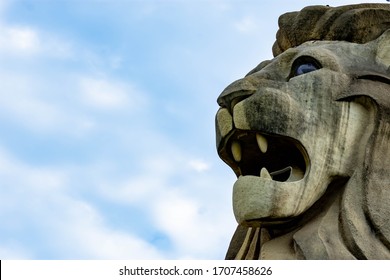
point(107, 108)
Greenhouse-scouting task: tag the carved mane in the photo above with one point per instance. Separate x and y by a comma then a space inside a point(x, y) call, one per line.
point(360, 204)
point(359, 23)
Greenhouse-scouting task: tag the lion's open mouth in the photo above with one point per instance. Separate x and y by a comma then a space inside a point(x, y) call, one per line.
point(278, 158)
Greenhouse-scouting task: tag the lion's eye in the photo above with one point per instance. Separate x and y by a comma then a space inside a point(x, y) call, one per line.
point(304, 65)
point(305, 68)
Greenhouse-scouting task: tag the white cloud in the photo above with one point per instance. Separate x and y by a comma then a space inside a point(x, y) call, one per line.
point(70, 226)
point(150, 182)
point(194, 229)
point(33, 112)
point(28, 100)
point(19, 39)
point(183, 202)
point(59, 104)
point(246, 25)
point(84, 235)
point(105, 94)
point(199, 165)
point(136, 190)
point(29, 41)
point(96, 242)
point(73, 228)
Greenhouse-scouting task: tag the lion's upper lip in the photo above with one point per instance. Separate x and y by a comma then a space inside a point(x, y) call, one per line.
point(279, 158)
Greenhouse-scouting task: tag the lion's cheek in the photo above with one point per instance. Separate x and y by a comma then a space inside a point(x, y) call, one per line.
point(350, 141)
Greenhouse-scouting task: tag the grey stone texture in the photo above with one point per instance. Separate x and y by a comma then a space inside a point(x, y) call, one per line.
point(307, 134)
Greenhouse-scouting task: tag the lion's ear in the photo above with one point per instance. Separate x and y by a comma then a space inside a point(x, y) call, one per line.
point(383, 48)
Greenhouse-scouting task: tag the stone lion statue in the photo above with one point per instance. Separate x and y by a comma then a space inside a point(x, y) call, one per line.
point(308, 136)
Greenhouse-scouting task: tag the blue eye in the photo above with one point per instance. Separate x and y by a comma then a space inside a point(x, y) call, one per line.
point(304, 65)
point(305, 68)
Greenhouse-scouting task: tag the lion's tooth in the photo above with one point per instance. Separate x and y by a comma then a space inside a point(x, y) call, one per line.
point(265, 174)
point(262, 142)
point(236, 151)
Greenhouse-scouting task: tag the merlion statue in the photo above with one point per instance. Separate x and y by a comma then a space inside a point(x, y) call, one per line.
point(308, 135)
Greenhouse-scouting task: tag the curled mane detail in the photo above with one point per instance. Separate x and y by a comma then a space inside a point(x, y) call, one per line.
point(353, 23)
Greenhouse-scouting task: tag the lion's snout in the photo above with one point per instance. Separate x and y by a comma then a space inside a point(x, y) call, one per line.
point(236, 92)
point(244, 88)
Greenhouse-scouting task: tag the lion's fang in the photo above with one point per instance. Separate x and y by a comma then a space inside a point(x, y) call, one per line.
point(262, 142)
point(265, 174)
point(236, 151)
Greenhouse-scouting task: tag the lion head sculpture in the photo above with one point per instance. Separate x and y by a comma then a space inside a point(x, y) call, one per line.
point(307, 134)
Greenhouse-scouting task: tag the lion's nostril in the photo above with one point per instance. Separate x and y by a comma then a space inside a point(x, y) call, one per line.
point(236, 92)
point(228, 99)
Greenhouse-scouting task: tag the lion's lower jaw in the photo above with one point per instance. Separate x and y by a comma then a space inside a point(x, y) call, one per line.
point(336, 229)
point(316, 239)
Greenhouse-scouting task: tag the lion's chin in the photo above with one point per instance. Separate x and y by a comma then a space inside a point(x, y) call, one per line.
point(258, 201)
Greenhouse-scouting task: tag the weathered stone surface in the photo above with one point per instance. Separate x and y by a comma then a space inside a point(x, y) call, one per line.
point(307, 134)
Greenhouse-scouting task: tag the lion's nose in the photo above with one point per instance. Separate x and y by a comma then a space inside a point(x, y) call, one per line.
point(236, 92)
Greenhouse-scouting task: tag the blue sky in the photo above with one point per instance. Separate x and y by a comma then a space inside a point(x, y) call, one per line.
point(107, 108)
